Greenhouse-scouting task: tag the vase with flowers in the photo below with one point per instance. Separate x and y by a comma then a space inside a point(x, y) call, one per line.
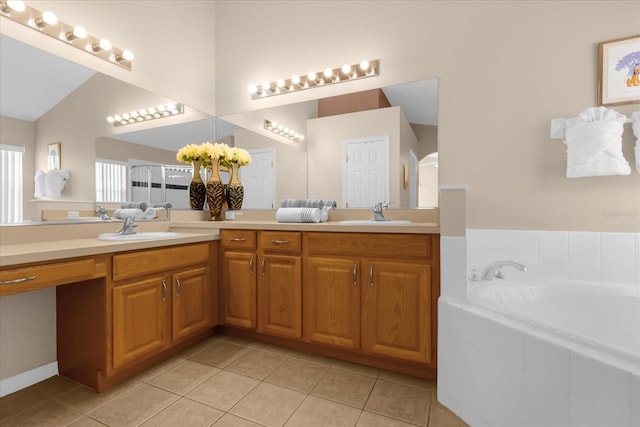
point(193, 154)
point(235, 190)
point(215, 154)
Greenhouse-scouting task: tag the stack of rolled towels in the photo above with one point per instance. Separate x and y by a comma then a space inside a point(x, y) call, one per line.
point(304, 210)
point(140, 210)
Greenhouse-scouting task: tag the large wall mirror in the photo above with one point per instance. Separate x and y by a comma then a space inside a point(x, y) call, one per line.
point(403, 128)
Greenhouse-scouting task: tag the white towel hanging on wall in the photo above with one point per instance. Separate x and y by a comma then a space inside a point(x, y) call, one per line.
point(594, 142)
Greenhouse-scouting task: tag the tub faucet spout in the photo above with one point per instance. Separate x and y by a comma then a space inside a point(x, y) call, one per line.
point(495, 269)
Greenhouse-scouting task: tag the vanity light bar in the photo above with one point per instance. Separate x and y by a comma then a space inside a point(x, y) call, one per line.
point(282, 130)
point(326, 77)
point(146, 114)
point(47, 23)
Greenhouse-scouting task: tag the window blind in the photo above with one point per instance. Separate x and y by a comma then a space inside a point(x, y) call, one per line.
point(11, 184)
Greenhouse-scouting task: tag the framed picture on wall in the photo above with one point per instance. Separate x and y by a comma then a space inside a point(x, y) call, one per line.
point(619, 71)
point(54, 156)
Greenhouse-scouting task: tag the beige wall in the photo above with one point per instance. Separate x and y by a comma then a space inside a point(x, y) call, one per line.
point(22, 133)
point(325, 149)
point(504, 70)
point(427, 139)
point(108, 148)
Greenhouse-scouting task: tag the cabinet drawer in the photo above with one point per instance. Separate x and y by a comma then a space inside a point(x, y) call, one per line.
point(281, 241)
point(29, 278)
point(136, 264)
point(238, 239)
point(417, 246)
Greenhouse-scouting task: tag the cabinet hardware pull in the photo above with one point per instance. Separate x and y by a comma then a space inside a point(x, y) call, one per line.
point(371, 275)
point(355, 274)
point(24, 279)
point(262, 267)
point(251, 266)
point(179, 286)
point(164, 290)
point(237, 239)
point(280, 242)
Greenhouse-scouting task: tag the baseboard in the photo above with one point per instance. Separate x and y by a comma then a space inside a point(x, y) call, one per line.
point(26, 379)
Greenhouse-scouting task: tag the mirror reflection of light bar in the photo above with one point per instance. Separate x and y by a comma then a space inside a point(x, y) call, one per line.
point(282, 130)
point(328, 76)
point(146, 114)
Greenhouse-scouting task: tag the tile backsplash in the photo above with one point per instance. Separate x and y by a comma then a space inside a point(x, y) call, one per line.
point(572, 255)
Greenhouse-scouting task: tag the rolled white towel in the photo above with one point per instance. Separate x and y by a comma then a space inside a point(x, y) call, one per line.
point(594, 144)
point(124, 213)
point(298, 215)
point(635, 125)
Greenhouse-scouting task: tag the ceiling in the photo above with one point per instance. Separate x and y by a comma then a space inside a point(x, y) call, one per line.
point(33, 81)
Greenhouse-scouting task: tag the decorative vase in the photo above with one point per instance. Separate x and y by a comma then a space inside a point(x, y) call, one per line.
point(235, 190)
point(215, 192)
point(197, 190)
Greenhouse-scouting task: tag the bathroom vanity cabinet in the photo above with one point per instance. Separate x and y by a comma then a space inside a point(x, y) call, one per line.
point(152, 303)
point(370, 297)
point(261, 286)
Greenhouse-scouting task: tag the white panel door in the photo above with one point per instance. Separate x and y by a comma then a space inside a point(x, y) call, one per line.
point(258, 180)
point(365, 172)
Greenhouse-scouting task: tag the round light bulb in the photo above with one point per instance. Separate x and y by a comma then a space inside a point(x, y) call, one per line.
point(161, 108)
point(280, 83)
point(126, 116)
point(328, 73)
point(364, 65)
point(142, 112)
point(295, 79)
point(127, 55)
point(253, 88)
point(118, 117)
point(312, 76)
point(79, 32)
point(152, 110)
point(266, 85)
point(105, 44)
point(134, 114)
point(346, 68)
point(274, 125)
point(171, 107)
point(110, 119)
point(49, 18)
point(301, 137)
point(17, 5)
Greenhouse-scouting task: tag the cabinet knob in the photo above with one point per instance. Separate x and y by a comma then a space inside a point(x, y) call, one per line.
point(355, 274)
point(371, 275)
point(178, 287)
point(23, 279)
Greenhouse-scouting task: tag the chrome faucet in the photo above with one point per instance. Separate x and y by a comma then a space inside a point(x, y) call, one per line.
point(495, 269)
point(128, 226)
point(103, 213)
point(377, 211)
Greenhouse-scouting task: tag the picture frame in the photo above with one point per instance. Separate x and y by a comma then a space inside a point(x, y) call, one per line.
point(54, 156)
point(619, 71)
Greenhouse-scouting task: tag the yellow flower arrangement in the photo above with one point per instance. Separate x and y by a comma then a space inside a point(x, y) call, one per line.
point(215, 151)
point(240, 156)
point(189, 153)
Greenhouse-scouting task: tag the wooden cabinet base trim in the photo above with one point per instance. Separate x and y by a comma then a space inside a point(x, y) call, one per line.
point(419, 370)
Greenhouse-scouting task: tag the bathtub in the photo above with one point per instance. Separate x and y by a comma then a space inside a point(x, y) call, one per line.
point(604, 317)
point(541, 353)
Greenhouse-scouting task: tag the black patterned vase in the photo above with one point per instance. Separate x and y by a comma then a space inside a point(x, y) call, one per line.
point(215, 192)
point(235, 190)
point(197, 189)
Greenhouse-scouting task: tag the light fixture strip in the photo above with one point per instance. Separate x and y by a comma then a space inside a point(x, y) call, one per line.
point(146, 114)
point(284, 131)
point(75, 36)
point(328, 76)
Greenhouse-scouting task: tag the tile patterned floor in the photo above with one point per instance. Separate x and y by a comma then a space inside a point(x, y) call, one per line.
point(229, 382)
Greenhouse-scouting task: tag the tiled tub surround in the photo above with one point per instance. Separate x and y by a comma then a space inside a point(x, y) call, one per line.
point(499, 369)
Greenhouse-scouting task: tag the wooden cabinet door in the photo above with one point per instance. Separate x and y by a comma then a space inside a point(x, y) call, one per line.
point(239, 289)
point(280, 296)
point(396, 307)
point(191, 309)
point(140, 313)
point(332, 301)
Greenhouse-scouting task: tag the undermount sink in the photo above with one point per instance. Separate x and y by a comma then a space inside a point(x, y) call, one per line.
point(152, 235)
point(372, 222)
